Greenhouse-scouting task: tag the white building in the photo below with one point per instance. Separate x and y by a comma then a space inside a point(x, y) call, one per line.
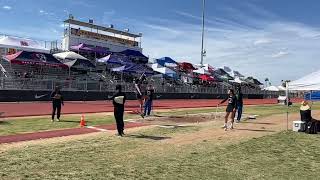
point(78, 32)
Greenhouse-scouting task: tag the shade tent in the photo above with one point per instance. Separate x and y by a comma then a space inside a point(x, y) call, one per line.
point(222, 74)
point(163, 70)
point(133, 68)
point(22, 44)
point(69, 55)
point(81, 47)
point(185, 66)
point(253, 81)
point(135, 54)
point(272, 88)
point(115, 59)
point(80, 64)
point(281, 88)
point(89, 48)
point(206, 67)
point(167, 62)
point(34, 58)
point(206, 77)
point(236, 74)
point(201, 71)
point(309, 82)
point(237, 80)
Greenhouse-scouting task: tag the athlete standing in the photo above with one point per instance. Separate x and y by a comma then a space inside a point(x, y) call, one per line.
point(231, 109)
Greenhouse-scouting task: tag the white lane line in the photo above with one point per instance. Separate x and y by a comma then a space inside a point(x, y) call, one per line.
point(98, 129)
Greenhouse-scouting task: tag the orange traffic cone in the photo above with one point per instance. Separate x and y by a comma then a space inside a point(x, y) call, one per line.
point(82, 121)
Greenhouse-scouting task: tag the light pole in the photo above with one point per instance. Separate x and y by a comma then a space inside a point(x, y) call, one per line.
point(202, 38)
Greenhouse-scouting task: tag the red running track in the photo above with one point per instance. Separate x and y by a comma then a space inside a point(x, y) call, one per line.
point(44, 108)
point(59, 133)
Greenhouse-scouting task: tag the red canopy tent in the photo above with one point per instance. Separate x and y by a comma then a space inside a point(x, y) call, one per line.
point(34, 58)
point(205, 77)
point(185, 66)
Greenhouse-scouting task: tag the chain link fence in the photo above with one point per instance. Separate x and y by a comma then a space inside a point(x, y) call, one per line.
point(109, 86)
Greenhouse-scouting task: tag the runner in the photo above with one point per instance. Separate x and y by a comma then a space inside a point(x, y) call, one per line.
point(231, 109)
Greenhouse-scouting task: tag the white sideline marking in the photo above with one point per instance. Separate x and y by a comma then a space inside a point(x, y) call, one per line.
point(95, 128)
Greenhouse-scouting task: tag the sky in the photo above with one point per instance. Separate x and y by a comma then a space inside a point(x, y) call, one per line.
point(275, 39)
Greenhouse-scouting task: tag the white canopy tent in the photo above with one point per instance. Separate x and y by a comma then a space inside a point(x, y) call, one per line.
point(281, 88)
point(272, 88)
point(163, 70)
point(69, 55)
point(237, 80)
point(310, 82)
point(22, 44)
point(201, 71)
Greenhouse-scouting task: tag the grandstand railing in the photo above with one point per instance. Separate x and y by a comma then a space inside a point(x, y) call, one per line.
point(104, 86)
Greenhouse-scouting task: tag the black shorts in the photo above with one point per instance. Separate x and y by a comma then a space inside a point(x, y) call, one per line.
point(230, 109)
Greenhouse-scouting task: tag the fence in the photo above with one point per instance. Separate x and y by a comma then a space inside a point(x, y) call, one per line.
point(109, 86)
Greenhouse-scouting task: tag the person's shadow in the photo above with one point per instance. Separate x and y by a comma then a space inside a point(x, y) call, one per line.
point(141, 136)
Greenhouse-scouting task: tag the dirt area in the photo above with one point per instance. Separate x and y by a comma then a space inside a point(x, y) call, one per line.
point(182, 119)
point(245, 130)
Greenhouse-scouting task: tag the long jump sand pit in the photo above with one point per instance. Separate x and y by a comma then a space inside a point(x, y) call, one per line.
point(179, 119)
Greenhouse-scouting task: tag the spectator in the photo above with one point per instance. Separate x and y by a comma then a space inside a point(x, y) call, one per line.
point(118, 100)
point(148, 100)
point(57, 101)
point(239, 103)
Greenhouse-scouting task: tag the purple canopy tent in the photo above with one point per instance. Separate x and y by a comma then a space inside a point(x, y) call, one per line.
point(89, 48)
point(135, 54)
point(133, 68)
point(115, 59)
point(81, 47)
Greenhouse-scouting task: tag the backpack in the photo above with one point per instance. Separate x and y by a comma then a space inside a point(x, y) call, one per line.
point(311, 127)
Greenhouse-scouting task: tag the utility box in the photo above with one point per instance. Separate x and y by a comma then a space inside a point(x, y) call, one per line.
point(298, 126)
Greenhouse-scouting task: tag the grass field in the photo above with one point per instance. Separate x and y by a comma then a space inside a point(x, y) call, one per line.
point(161, 153)
point(142, 155)
point(37, 124)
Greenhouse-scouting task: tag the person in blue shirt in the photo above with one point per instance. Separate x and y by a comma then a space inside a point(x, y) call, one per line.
point(239, 103)
point(148, 100)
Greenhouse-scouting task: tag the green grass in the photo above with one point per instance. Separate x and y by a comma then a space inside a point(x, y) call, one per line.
point(261, 110)
point(18, 126)
point(285, 155)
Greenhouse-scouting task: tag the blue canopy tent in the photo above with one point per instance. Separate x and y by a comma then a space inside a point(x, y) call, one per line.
point(135, 54)
point(166, 61)
point(133, 68)
point(115, 59)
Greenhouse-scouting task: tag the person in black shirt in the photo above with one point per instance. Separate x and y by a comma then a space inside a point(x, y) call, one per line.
point(231, 108)
point(119, 99)
point(239, 103)
point(57, 101)
point(148, 100)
